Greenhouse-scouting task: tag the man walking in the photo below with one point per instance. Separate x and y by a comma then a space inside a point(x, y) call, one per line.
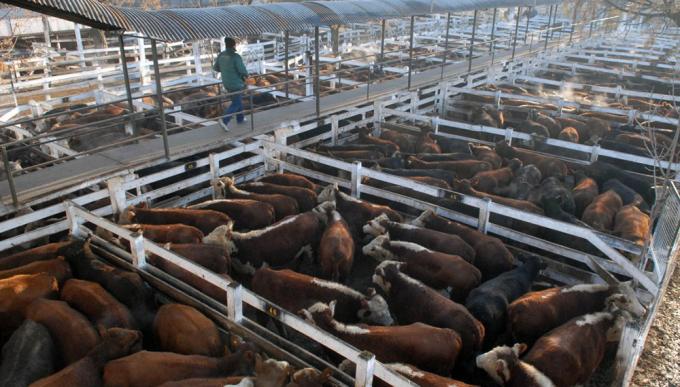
point(234, 74)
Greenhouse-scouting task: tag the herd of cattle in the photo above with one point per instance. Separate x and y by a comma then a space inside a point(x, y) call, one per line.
point(447, 303)
point(69, 318)
point(599, 195)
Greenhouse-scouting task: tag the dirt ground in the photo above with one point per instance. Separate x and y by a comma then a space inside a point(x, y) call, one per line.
point(659, 365)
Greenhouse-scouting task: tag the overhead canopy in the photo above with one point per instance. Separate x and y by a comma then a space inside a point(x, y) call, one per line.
point(242, 20)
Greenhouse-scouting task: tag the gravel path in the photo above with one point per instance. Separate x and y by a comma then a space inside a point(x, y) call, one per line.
point(659, 365)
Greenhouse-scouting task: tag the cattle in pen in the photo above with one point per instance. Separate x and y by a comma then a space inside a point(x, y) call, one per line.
point(289, 179)
point(336, 249)
point(427, 347)
point(428, 238)
point(412, 301)
point(204, 220)
point(294, 291)
point(283, 205)
point(441, 271)
point(247, 214)
point(305, 197)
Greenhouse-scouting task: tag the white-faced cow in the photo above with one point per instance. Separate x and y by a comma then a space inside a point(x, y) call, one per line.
point(566, 356)
point(438, 270)
point(536, 313)
point(491, 256)
point(425, 346)
point(204, 220)
point(283, 205)
point(412, 301)
point(294, 291)
point(279, 244)
point(356, 212)
point(428, 238)
point(247, 214)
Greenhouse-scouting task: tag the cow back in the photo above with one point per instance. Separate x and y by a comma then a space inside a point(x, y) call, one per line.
point(18, 292)
point(27, 356)
point(97, 304)
point(204, 220)
point(41, 253)
point(246, 213)
point(58, 268)
point(183, 329)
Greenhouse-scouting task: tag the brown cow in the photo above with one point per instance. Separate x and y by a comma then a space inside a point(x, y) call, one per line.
point(16, 293)
point(462, 168)
point(356, 212)
point(306, 198)
point(283, 205)
point(168, 233)
point(601, 212)
point(98, 305)
point(412, 301)
point(278, 245)
point(246, 214)
point(58, 268)
point(564, 357)
point(269, 373)
point(73, 334)
point(491, 256)
point(438, 270)
point(584, 193)
point(428, 238)
point(309, 377)
point(464, 186)
point(490, 181)
point(569, 134)
point(404, 141)
point(190, 278)
point(486, 153)
point(289, 179)
point(86, 372)
point(40, 253)
point(206, 382)
point(431, 348)
point(426, 144)
point(549, 166)
point(390, 147)
point(433, 181)
point(632, 224)
point(536, 313)
point(424, 378)
point(204, 220)
point(213, 257)
point(294, 291)
point(336, 249)
point(183, 329)
point(153, 368)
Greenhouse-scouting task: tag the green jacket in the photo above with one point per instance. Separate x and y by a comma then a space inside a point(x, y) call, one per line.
point(230, 65)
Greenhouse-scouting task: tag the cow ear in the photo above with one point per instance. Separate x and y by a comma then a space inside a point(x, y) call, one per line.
point(258, 361)
point(370, 292)
point(331, 305)
point(519, 348)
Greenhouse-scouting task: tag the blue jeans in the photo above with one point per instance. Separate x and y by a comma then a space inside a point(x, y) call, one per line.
point(236, 106)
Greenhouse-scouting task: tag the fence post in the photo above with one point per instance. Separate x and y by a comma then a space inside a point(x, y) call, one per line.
point(117, 194)
point(73, 219)
point(356, 179)
point(484, 213)
point(410, 54)
point(214, 172)
point(377, 116)
point(414, 104)
point(508, 135)
point(514, 40)
point(10, 176)
point(159, 98)
point(137, 249)
point(595, 153)
point(365, 366)
point(235, 302)
point(198, 66)
point(334, 129)
point(472, 40)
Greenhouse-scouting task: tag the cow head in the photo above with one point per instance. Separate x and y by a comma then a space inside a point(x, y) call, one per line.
point(421, 220)
point(498, 362)
point(127, 216)
point(626, 300)
point(377, 248)
point(324, 210)
point(221, 236)
point(385, 271)
point(328, 194)
point(308, 377)
point(271, 372)
point(377, 226)
point(319, 312)
point(374, 309)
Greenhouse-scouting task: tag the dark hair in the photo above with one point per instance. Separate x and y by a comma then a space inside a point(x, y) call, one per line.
point(229, 42)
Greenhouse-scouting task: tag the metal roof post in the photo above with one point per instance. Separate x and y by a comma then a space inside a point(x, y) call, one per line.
point(526, 29)
point(514, 41)
point(548, 28)
point(126, 74)
point(317, 77)
point(573, 24)
point(472, 40)
point(410, 53)
point(446, 43)
point(159, 98)
point(10, 176)
point(79, 44)
point(382, 44)
point(493, 29)
point(286, 37)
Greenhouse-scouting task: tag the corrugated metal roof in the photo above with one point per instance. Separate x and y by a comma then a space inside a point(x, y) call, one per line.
point(240, 20)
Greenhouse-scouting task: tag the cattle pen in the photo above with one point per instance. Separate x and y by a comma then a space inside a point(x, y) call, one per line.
point(103, 130)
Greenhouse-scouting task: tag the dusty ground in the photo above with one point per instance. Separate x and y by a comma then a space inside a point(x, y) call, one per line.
point(659, 365)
